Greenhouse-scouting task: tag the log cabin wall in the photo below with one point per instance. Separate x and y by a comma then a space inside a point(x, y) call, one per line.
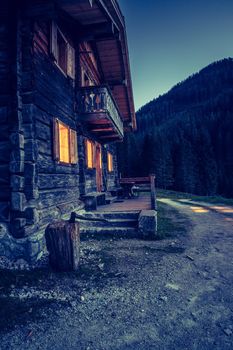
point(58, 184)
point(14, 154)
point(34, 187)
point(6, 93)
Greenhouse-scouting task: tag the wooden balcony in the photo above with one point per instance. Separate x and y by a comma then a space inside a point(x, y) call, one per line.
point(99, 112)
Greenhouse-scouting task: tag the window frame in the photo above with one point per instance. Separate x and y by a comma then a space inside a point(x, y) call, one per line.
point(92, 144)
point(73, 155)
point(70, 51)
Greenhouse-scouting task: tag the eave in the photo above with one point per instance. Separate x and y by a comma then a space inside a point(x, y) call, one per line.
point(102, 22)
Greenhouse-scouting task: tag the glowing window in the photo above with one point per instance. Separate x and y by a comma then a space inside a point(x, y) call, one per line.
point(110, 162)
point(64, 147)
point(65, 143)
point(89, 154)
point(100, 158)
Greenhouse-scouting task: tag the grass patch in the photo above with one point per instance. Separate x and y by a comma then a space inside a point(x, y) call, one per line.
point(182, 195)
point(171, 222)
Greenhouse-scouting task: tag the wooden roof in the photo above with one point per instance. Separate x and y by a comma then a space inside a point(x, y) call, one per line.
point(103, 20)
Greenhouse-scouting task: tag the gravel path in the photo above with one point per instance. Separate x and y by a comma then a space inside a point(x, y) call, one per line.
point(132, 294)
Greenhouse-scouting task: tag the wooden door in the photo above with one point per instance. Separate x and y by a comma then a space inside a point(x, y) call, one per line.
point(99, 177)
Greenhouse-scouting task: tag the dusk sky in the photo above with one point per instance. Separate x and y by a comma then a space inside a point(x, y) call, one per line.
point(171, 39)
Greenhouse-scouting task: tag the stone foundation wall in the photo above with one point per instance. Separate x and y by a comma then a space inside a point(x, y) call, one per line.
point(29, 248)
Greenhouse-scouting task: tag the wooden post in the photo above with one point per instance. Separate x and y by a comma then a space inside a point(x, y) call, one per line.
point(153, 194)
point(63, 244)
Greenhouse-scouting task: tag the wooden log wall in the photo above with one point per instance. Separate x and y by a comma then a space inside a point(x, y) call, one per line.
point(58, 184)
point(12, 198)
point(5, 97)
point(34, 188)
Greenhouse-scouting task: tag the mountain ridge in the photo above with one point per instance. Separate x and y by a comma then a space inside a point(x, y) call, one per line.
point(186, 135)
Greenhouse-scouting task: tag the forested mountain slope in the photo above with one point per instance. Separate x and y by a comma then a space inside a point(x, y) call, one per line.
point(185, 137)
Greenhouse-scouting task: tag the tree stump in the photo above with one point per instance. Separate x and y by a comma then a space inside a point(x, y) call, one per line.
point(63, 244)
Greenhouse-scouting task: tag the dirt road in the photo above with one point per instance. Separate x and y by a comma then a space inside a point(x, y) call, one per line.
point(130, 294)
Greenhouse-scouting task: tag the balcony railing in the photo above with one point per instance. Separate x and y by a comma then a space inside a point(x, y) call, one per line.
point(98, 100)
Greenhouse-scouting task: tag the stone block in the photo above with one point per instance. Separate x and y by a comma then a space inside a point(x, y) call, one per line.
point(28, 248)
point(147, 224)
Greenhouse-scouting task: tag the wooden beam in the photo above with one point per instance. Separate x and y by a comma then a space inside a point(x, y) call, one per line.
point(106, 134)
point(106, 12)
point(98, 117)
point(100, 123)
point(74, 2)
point(102, 130)
point(115, 136)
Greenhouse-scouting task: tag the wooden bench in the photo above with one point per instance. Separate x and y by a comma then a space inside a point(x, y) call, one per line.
point(128, 182)
point(135, 180)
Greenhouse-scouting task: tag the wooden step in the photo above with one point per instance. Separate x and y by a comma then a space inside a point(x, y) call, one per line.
point(110, 223)
point(120, 232)
point(114, 215)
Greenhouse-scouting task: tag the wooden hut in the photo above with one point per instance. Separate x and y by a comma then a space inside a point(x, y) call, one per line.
point(65, 100)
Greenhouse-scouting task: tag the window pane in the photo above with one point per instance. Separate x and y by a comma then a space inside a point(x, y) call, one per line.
point(62, 52)
point(110, 162)
point(100, 160)
point(89, 154)
point(64, 143)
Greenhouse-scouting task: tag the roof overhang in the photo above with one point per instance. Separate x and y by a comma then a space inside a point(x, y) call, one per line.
point(102, 23)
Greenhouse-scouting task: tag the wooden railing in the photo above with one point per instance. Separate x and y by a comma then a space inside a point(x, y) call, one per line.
point(98, 99)
point(150, 180)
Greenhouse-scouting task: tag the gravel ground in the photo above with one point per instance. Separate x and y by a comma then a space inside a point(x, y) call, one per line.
point(170, 294)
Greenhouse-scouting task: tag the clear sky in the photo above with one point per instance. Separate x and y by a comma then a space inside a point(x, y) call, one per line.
point(171, 39)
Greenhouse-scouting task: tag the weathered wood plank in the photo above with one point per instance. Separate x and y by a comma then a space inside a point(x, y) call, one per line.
point(46, 165)
point(43, 131)
point(45, 147)
point(48, 198)
point(57, 181)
